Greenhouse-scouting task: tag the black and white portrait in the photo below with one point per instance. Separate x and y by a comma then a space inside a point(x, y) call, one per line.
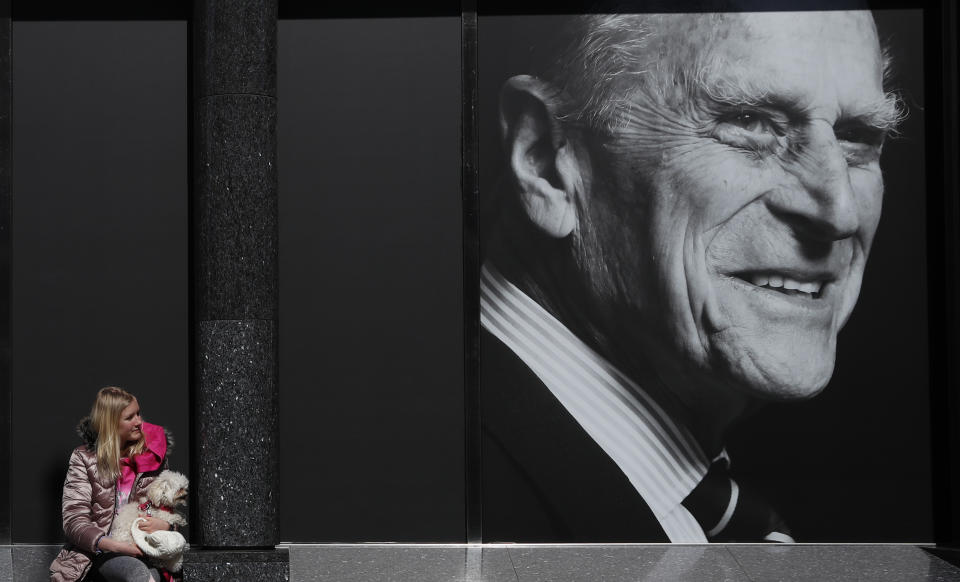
point(678, 218)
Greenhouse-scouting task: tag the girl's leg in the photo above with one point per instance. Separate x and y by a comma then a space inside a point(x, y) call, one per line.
point(122, 568)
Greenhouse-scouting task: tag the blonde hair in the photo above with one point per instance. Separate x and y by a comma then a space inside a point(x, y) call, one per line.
point(105, 421)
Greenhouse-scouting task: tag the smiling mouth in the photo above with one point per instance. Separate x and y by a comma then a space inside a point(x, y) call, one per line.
point(784, 284)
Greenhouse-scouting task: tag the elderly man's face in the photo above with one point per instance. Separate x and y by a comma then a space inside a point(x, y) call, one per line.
point(745, 184)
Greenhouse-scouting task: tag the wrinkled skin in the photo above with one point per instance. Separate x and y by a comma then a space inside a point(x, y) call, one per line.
point(774, 174)
point(720, 225)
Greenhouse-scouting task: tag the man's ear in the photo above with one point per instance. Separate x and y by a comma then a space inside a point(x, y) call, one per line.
point(543, 161)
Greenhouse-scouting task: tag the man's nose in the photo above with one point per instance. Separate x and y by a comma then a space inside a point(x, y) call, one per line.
point(822, 206)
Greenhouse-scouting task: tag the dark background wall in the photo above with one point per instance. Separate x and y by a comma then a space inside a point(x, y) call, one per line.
point(371, 323)
point(99, 242)
point(827, 464)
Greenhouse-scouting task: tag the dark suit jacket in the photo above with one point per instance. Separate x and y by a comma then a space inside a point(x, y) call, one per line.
point(544, 477)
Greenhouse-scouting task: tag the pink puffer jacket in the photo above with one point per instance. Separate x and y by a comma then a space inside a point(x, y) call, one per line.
point(89, 502)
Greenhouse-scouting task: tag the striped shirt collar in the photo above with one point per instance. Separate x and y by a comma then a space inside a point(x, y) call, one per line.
point(659, 457)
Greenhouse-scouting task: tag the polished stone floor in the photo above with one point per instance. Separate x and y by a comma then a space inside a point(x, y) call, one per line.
point(594, 563)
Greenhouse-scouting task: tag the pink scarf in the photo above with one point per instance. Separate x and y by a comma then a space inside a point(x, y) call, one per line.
point(150, 459)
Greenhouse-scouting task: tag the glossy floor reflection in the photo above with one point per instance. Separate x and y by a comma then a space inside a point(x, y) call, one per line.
point(6, 564)
point(592, 563)
point(615, 563)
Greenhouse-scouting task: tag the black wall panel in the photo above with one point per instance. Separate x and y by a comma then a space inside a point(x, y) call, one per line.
point(371, 340)
point(100, 274)
point(5, 271)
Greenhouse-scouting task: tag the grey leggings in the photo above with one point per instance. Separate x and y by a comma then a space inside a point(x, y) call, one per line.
point(120, 568)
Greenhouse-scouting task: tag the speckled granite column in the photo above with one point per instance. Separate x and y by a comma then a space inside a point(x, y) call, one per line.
point(234, 529)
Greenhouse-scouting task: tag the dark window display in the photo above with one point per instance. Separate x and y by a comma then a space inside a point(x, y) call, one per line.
point(703, 285)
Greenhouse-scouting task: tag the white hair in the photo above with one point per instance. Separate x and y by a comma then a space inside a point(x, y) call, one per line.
point(603, 50)
point(604, 61)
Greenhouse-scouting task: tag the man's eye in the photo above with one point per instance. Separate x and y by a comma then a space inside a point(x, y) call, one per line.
point(752, 122)
point(749, 130)
point(861, 144)
point(859, 134)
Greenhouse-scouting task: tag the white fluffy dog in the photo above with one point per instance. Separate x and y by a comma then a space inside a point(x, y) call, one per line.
point(164, 548)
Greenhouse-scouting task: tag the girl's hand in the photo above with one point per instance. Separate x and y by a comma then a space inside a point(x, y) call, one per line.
point(152, 524)
point(129, 549)
point(126, 548)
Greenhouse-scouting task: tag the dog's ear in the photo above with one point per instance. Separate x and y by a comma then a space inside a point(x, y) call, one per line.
point(167, 491)
point(157, 491)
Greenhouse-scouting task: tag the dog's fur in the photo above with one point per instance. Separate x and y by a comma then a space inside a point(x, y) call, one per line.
point(169, 490)
point(163, 548)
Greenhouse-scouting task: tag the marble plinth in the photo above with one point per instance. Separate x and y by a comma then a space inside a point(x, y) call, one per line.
point(233, 565)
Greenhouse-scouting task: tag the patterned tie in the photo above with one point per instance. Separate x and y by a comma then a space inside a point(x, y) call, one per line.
point(728, 513)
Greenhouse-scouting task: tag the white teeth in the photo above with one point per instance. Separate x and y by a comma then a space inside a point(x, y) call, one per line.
point(778, 281)
point(760, 280)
